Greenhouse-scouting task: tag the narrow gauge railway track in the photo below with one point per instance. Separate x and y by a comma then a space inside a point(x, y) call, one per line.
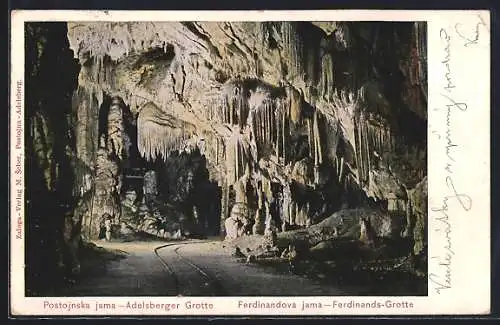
point(210, 283)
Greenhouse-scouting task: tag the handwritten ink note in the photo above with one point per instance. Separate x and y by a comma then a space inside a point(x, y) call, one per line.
point(455, 199)
point(471, 36)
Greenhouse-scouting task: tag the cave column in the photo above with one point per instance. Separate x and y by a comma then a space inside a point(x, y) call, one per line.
point(108, 179)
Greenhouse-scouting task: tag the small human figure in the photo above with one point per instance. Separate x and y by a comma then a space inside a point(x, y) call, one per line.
point(292, 258)
point(367, 234)
point(107, 225)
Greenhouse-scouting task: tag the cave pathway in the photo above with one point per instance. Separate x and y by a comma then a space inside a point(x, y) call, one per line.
point(148, 267)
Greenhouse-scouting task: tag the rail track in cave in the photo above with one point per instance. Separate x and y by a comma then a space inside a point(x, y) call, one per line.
point(211, 284)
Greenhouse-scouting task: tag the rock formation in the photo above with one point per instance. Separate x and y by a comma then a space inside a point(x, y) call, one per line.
point(52, 230)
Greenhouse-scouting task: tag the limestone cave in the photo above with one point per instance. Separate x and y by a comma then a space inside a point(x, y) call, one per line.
point(267, 137)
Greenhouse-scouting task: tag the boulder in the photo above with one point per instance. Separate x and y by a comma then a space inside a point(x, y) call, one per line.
point(303, 172)
point(233, 227)
point(238, 224)
point(344, 224)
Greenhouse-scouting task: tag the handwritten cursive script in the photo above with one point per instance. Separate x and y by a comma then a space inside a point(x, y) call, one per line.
point(471, 37)
point(441, 276)
point(443, 281)
point(450, 106)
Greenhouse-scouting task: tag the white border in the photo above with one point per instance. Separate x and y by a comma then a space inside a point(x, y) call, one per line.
point(469, 130)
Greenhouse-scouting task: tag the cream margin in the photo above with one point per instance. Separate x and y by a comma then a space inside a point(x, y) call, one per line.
point(469, 130)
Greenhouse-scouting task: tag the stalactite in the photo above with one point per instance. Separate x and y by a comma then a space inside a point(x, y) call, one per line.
point(310, 139)
point(283, 135)
point(237, 160)
point(234, 105)
point(318, 157)
point(277, 128)
point(263, 31)
point(310, 63)
point(357, 152)
point(341, 170)
point(231, 112)
point(326, 80)
point(263, 127)
point(216, 151)
point(361, 144)
point(270, 120)
point(367, 155)
point(267, 112)
point(157, 135)
point(258, 131)
point(295, 105)
point(265, 123)
point(238, 157)
point(293, 46)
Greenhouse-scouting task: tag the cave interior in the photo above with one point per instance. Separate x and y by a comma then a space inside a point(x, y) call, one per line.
point(198, 129)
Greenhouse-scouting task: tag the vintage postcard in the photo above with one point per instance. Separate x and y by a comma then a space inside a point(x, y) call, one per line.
point(250, 163)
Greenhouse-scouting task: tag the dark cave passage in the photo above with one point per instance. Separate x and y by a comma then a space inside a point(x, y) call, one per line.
point(50, 160)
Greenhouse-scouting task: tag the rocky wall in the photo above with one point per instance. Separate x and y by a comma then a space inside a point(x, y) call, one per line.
point(302, 118)
point(52, 234)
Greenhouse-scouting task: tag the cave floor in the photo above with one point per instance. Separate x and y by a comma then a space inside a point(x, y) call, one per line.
point(142, 272)
point(206, 268)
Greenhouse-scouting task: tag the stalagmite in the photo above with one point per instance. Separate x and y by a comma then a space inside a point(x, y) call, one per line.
point(116, 129)
point(257, 227)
